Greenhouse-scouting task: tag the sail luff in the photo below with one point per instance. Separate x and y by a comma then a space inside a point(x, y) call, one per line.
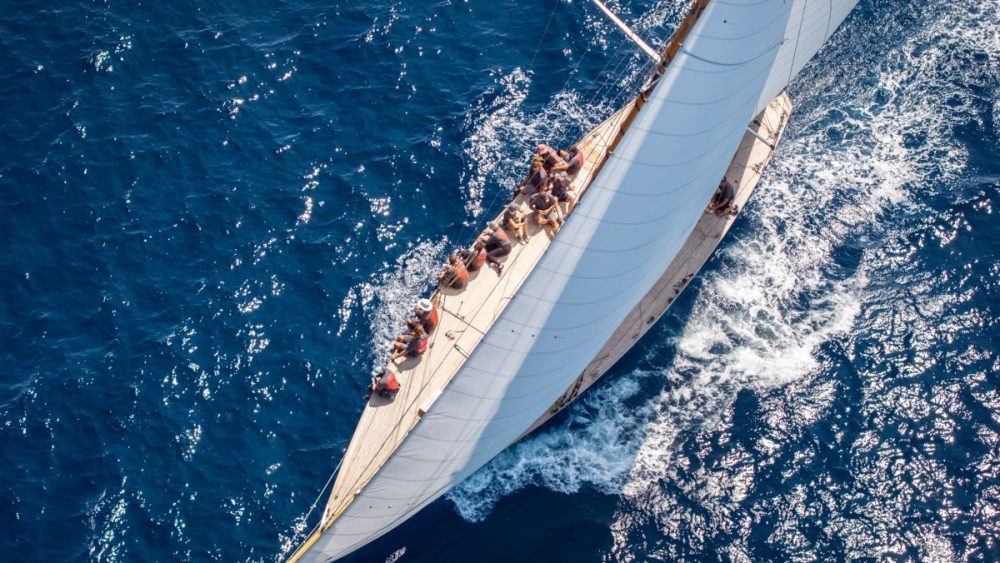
point(639, 211)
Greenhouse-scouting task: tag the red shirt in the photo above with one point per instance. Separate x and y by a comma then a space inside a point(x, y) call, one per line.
point(429, 320)
point(391, 383)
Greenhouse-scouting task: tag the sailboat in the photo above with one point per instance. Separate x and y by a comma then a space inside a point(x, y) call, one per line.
point(512, 350)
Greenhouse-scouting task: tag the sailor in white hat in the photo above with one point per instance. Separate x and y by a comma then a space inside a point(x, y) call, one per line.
point(426, 315)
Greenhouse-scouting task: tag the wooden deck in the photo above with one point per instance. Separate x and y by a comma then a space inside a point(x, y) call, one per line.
point(744, 172)
point(465, 317)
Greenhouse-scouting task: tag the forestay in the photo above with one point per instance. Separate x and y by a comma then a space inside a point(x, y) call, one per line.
point(637, 214)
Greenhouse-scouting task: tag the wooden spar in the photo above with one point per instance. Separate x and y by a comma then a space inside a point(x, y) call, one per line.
point(760, 137)
point(670, 51)
point(632, 35)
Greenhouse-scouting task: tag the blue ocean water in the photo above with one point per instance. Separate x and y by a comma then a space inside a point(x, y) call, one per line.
point(216, 214)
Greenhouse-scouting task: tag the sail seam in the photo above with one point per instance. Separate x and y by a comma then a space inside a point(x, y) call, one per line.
point(741, 63)
point(798, 36)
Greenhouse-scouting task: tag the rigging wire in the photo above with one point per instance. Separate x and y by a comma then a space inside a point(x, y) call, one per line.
point(312, 507)
point(531, 65)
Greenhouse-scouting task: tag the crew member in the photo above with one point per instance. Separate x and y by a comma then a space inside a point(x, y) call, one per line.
point(473, 258)
point(562, 188)
point(513, 219)
point(384, 382)
point(496, 244)
point(455, 275)
point(572, 161)
point(411, 344)
point(722, 201)
point(549, 155)
point(426, 315)
point(536, 179)
point(546, 207)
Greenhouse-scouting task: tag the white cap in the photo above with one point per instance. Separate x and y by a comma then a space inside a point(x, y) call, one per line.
point(377, 371)
point(425, 305)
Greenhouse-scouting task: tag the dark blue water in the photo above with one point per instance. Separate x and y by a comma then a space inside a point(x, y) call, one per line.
point(215, 214)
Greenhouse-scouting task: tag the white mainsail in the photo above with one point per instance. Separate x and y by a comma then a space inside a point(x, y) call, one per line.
point(636, 215)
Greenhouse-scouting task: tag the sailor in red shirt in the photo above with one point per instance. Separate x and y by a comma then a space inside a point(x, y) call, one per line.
point(412, 344)
point(385, 382)
point(455, 275)
point(496, 244)
point(473, 258)
point(426, 315)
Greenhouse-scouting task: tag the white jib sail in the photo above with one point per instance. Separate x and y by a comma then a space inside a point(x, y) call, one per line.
point(634, 219)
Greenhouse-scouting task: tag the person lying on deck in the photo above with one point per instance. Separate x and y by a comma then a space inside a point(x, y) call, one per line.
point(536, 179)
point(547, 212)
point(384, 382)
point(425, 315)
point(496, 244)
point(562, 188)
point(473, 258)
point(455, 275)
point(722, 201)
point(549, 155)
point(572, 162)
point(513, 219)
point(411, 344)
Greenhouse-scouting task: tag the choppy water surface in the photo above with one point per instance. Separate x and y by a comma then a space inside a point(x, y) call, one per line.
point(217, 215)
